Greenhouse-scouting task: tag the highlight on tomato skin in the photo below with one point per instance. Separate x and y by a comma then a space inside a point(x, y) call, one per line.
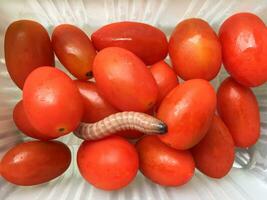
point(195, 50)
point(145, 41)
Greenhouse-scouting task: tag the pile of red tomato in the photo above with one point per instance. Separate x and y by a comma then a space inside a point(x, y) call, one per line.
point(126, 60)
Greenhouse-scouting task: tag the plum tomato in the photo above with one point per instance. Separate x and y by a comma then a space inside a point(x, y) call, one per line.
point(109, 164)
point(22, 122)
point(238, 108)
point(124, 80)
point(163, 164)
point(165, 78)
point(244, 48)
point(214, 154)
point(27, 46)
point(35, 162)
point(147, 42)
point(195, 50)
point(52, 102)
point(74, 50)
point(95, 106)
point(188, 111)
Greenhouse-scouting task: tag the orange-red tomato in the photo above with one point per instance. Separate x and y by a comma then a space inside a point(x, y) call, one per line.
point(214, 154)
point(95, 106)
point(109, 164)
point(165, 78)
point(238, 108)
point(124, 80)
point(147, 42)
point(27, 46)
point(74, 50)
point(35, 162)
point(163, 164)
point(195, 50)
point(52, 102)
point(244, 48)
point(22, 122)
point(188, 111)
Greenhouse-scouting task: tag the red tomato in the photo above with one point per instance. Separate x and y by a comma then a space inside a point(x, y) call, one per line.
point(195, 50)
point(35, 162)
point(165, 77)
point(244, 47)
point(27, 46)
point(124, 80)
point(188, 111)
point(95, 106)
point(162, 164)
point(52, 102)
point(130, 134)
point(214, 154)
point(147, 42)
point(238, 108)
point(74, 50)
point(108, 164)
point(24, 125)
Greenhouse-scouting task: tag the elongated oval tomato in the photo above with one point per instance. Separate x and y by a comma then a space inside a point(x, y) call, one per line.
point(163, 164)
point(95, 106)
point(244, 47)
point(165, 78)
point(74, 50)
point(145, 41)
point(35, 162)
point(124, 80)
point(195, 50)
point(27, 46)
point(109, 164)
point(214, 154)
point(238, 108)
point(22, 122)
point(52, 102)
point(188, 111)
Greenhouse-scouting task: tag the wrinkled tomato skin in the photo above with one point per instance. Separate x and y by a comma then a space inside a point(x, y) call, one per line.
point(195, 50)
point(244, 48)
point(22, 122)
point(52, 102)
point(214, 154)
point(95, 106)
point(74, 50)
point(27, 46)
point(165, 78)
point(163, 164)
point(124, 80)
point(147, 42)
point(35, 162)
point(238, 108)
point(188, 111)
point(108, 164)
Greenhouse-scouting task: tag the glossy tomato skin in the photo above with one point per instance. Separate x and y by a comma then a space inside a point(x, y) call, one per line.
point(109, 164)
point(95, 106)
point(124, 80)
point(165, 78)
point(188, 111)
point(147, 42)
point(195, 50)
point(52, 102)
point(27, 46)
point(163, 164)
point(214, 154)
point(244, 48)
point(22, 122)
point(35, 162)
point(238, 108)
point(74, 49)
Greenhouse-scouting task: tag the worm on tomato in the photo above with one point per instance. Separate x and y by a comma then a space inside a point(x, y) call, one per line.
point(118, 122)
